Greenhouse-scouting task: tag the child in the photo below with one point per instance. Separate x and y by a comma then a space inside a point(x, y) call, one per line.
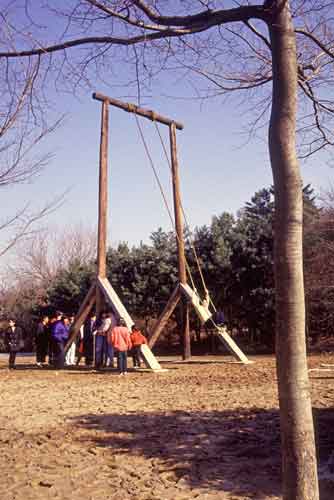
point(120, 339)
point(137, 340)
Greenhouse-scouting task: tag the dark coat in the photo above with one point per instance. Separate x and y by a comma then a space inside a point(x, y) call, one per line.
point(42, 335)
point(14, 339)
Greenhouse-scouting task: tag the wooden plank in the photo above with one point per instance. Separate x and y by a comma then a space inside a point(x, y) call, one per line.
point(203, 312)
point(114, 301)
point(231, 345)
point(164, 316)
point(133, 108)
point(81, 315)
point(149, 359)
point(118, 308)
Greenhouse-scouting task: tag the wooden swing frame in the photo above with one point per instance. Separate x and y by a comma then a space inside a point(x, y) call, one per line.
point(98, 291)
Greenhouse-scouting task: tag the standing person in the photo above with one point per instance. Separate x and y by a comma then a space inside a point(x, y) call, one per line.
point(42, 340)
point(88, 339)
point(80, 346)
point(120, 338)
point(137, 340)
point(70, 355)
point(51, 348)
point(110, 348)
point(59, 335)
point(14, 341)
point(101, 340)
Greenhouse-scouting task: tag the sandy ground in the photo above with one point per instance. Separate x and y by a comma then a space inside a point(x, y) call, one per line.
point(207, 429)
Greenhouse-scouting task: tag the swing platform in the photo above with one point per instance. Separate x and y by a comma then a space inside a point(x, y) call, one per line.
point(203, 313)
point(102, 291)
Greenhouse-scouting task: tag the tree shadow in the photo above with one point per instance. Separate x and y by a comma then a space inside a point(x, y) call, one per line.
point(33, 367)
point(322, 378)
point(22, 366)
point(200, 362)
point(223, 451)
point(235, 451)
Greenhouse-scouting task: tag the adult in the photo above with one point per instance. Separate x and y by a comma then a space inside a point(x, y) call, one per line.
point(120, 338)
point(80, 345)
point(59, 335)
point(42, 340)
point(14, 341)
point(88, 339)
point(70, 355)
point(109, 359)
point(53, 319)
point(101, 340)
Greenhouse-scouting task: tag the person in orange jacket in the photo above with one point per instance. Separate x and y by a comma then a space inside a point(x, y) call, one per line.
point(137, 339)
point(120, 339)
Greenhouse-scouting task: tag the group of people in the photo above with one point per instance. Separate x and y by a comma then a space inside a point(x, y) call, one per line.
point(98, 341)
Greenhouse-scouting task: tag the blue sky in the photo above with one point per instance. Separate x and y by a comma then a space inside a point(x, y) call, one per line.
point(219, 172)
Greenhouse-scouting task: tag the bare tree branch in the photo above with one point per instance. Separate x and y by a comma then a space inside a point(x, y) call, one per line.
point(23, 223)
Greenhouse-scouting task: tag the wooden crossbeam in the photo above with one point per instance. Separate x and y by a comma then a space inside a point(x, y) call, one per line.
point(133, 108)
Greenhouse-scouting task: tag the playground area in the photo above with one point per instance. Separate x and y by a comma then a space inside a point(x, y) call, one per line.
point(205, 429)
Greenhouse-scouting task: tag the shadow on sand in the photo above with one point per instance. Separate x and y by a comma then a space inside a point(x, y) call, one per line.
point(235, 451)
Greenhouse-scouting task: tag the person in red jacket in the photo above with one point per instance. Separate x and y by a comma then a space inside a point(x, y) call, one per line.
point(120, 339)
point(137, 340)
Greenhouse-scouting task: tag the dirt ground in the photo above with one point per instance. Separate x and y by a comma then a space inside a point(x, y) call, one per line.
point(207, 429)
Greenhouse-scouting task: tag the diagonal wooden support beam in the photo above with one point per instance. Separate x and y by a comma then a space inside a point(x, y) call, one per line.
point(205, 315)
point(81, 315)
point(229, 343)
point(164, 316)
point(202, 311)
point(114, 301)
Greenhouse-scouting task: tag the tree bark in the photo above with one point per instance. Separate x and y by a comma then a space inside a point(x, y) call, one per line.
point(297, 431)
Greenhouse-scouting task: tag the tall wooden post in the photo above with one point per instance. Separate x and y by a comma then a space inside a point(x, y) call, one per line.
point(180, 239)
point(103, 203)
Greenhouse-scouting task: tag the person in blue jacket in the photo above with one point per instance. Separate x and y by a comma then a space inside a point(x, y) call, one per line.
point(59, 336)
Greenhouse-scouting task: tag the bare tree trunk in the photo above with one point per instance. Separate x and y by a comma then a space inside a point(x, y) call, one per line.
point(297, 431)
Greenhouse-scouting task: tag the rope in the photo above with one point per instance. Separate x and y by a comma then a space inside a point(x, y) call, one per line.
point(161, 190)
point(185, 219)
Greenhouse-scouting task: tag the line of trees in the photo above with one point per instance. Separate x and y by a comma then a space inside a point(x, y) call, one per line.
point(236, 258)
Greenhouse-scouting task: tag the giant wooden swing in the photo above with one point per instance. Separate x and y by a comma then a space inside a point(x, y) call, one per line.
point(101, 291)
